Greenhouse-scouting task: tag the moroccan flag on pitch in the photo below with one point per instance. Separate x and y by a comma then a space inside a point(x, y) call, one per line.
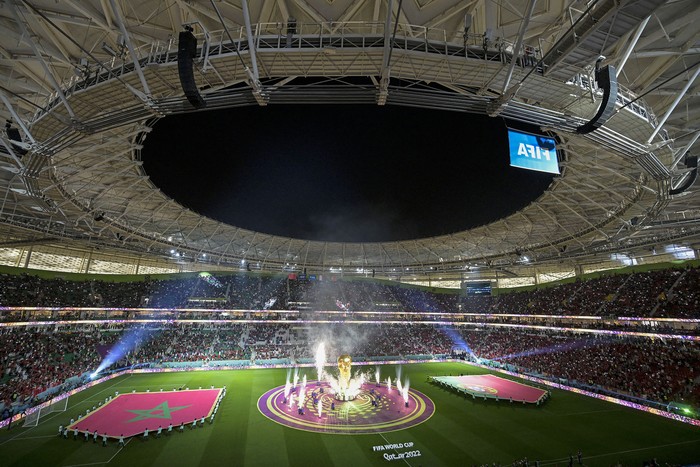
point(131, 414)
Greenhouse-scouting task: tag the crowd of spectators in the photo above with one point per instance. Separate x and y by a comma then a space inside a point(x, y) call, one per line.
point(367, 296)
point(650, 369)
point(684, 299)
point(236, 292)
point(662, 293)
point(33, 360)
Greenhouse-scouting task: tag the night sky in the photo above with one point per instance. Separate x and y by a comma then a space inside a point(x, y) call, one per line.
point(340, 173)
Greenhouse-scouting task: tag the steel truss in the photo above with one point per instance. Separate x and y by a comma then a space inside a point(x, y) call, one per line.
point(82, 181)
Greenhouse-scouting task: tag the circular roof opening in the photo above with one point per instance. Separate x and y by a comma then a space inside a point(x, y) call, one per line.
point(353, 173)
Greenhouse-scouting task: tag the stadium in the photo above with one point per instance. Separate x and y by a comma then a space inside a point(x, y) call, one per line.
point(563, 332)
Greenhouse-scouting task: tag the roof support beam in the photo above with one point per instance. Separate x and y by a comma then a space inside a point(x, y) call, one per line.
point(375, 15)
point(105, 10)
point(678, 51)
point(673, 105)
point(566, 204)
point(44, 65)
point(497, 106)
point(449, 13)
point(632, 44)
point(386, 69)
point(282, 5)
point(312, 12)
point(349, 13)
point(57, 42)
point(251, 40)
point(11, 152)
point(253, 81)
point(519, 43)
point(19, 121)
point(97, 18)
point(132, 51)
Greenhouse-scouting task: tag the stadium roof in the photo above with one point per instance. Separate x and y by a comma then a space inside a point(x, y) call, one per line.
point(83, 82)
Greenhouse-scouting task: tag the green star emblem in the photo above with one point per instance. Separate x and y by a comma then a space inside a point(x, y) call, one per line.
point(159, 411)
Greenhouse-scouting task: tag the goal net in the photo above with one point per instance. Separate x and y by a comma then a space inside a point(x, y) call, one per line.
point(32, 419)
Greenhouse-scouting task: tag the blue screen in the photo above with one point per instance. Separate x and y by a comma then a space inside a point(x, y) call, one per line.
point(533, 152)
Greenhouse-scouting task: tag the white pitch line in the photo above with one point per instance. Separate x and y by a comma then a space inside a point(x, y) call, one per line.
point(28, 429)
point(49, 417)
point(100, 392)
point(564, 459)
point(32, 437)
point(103, 462)
point(586, 413)
point(120, 450)
point(396, 451)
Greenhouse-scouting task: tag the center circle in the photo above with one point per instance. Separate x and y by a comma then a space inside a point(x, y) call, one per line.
point(377, 409)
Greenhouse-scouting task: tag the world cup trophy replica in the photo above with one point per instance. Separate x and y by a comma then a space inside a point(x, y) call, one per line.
point(344, 366)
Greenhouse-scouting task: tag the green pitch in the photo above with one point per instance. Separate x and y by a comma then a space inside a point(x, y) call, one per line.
point(462, 431)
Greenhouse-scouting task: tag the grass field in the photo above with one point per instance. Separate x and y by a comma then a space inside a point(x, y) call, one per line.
point(461, 432)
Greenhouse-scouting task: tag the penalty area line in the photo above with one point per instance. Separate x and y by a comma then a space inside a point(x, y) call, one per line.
point(103, 462)
point(86, 401)
point(17, 436)
point(56, 414)
point(32, 437)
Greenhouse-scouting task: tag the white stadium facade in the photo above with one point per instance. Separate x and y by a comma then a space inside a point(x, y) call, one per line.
point(82, 83)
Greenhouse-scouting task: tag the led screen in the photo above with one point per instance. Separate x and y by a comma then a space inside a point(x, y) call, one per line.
point(533, 152)
point(478, 288)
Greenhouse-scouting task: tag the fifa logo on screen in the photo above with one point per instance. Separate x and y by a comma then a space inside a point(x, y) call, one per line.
point(533, 152)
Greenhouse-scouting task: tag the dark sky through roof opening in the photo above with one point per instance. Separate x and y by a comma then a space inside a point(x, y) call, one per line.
point(354, 173)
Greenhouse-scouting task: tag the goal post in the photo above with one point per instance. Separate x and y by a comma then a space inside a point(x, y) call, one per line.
point(32, 418)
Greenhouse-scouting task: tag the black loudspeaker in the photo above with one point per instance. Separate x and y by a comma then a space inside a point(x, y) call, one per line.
point(606, 79)
point(13, 135)
point(187, 49)
point(692, 163)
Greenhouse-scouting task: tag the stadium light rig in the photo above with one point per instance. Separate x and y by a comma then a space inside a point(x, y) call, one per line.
point(128, 342)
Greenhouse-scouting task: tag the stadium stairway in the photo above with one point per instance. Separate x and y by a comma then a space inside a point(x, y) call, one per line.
point(669, 294)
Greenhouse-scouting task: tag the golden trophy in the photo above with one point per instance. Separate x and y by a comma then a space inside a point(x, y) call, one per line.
point(344, 366)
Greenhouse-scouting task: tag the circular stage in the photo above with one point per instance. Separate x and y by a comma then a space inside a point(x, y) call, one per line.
point(359, 416)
